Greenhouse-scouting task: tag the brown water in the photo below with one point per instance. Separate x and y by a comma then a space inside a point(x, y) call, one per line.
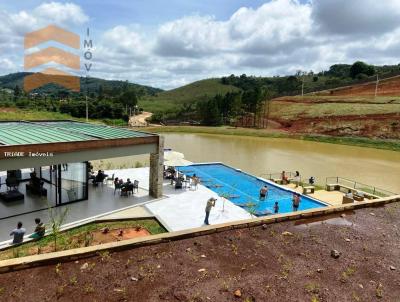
point(259, 156)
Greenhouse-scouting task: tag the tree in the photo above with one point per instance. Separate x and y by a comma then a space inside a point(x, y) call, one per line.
point(128, 98)
point(17, 92)
point(57, 219)
point(361, 67)
point(100, 93)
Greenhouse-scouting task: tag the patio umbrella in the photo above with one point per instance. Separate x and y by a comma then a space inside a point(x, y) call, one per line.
point(172, 155)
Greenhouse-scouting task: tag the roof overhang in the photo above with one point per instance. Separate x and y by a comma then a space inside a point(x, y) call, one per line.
point(44, 154)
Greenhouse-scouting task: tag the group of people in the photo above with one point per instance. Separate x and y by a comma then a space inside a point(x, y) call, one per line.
point(179, 178)
point(296, 178)
point(123, 186)
point(295, 199)
point(19, 232)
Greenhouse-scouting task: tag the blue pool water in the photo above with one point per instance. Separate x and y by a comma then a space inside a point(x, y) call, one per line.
point(243, 189)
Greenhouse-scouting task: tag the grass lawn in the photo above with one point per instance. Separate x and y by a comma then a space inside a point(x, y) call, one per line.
point(20, 114)
point(393, 145)
point(78, 237)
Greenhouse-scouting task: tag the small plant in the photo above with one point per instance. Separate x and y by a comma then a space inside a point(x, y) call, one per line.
point(56, 221)
point(88, 239)
point(347, 274)
point(104, 255)
point(58, 269)
point(60, 290)
point(379, 291)
point(314, 299)
point(312, 288)
point(225, 286)
point(73, 280)
point(88, 288)
point(2, 290)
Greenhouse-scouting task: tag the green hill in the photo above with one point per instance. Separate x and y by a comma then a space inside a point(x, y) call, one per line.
point(189, 94)
point(90, 85)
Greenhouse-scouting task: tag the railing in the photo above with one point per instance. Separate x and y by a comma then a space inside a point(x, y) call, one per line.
point(278, 175)
point(359, 186)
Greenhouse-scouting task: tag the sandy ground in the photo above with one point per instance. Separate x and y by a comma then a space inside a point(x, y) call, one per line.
point(140, 119)
point(289, 261)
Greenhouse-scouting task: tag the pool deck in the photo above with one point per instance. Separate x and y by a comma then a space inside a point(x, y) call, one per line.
point(332, 198)
point(185, 209)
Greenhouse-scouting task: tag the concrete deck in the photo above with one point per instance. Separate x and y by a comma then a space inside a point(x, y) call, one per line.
point(185, 209)
point(333, 198)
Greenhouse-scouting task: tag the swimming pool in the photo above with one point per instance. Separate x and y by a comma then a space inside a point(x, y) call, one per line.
point(243, 189)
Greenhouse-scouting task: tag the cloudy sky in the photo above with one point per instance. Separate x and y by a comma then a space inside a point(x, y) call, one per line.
point(170, 43)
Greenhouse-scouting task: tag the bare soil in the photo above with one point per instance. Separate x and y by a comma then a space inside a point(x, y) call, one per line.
point(386, 87)
point(288, 261)
point(383, 126)
point(100, 237)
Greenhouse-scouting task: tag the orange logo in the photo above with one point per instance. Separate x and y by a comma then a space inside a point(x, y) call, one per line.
point(52, 54)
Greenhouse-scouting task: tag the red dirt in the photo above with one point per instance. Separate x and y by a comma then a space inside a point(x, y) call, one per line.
point(387, 87)
point(114, 235)
point(2, 109)
point(384, 126)
point(264, 264)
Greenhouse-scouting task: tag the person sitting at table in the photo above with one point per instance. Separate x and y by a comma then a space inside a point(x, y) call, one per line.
point(125, 186)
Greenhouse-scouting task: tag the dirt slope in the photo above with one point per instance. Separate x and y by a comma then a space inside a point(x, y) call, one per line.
point(264, 264)
point(389, 87)
point(348, 111)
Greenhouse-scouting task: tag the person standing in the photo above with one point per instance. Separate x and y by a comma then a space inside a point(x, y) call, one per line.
point(297, 179)
point(263, 192)
point(210, 204)
point(296, 202)
point(18, 234)
point(276, 207)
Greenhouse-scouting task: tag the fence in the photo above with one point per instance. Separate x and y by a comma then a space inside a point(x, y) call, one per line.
point(359, 186)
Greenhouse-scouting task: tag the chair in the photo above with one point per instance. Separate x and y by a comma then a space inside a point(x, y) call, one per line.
point(136, 186)
point(12, 183)
point(111, 178)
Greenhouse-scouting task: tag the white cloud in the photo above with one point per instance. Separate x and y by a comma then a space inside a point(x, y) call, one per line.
point(60, 13)
point(352, 17)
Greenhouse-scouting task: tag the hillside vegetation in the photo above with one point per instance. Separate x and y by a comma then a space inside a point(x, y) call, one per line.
point(174, 100)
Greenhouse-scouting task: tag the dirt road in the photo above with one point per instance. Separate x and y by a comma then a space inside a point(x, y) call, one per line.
point(140, 119)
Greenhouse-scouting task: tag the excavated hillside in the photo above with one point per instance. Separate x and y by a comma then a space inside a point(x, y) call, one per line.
point(347, 111)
